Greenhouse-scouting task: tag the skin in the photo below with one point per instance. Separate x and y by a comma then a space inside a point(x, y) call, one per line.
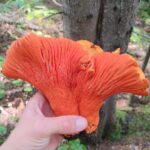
point(39, 129)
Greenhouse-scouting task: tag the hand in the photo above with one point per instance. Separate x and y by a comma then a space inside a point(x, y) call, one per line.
point(39, 129)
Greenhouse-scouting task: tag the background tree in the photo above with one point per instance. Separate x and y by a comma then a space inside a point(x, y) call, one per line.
point(107, 23)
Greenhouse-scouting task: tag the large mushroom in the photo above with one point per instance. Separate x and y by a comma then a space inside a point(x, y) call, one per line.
point(75, 76)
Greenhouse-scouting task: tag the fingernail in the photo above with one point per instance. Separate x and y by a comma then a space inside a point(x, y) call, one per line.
point(81, 124)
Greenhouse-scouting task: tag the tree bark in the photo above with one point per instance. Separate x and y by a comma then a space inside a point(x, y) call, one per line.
point(146, 59)
point(80, 19)
point(107, 23)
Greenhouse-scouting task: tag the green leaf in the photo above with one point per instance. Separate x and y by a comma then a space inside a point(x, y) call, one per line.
point(2, 94)
point(1, 60)
point(72, 145)
point(3, 130)
point(17, 82)
point(28, 89)
point(75, 144)
point(64, 147)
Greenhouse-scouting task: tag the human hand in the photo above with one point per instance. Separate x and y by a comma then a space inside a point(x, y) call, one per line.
point(39, 129)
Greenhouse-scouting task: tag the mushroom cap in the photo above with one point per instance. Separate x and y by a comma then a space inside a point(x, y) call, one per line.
point(75, 76)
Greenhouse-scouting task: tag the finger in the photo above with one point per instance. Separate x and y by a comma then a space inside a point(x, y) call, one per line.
point(64, 125)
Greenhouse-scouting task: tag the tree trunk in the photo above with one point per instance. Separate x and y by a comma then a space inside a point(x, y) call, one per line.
point(146, 59)
point(107, 23)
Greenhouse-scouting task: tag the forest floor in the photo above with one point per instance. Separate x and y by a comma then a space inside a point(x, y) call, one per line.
point(133, 126)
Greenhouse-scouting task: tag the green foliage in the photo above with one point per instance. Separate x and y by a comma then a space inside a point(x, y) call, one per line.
point(116, 135)
point(131, 124)
point(17, 82)
point(25, 3)
point(3, 133)
point(72, 145)
point(1, 60)
point(2, 94)
point(39, 12)
point(2, 86)
point(117, 129)
point(144, 11)
point(32, 8)
point(28, 89)
point(121, 115)
point(3, 130)
point(146, 108)
point(18, 4)
point(146, 98)
point(139, 37)
point(136, 36)
point(139, 123)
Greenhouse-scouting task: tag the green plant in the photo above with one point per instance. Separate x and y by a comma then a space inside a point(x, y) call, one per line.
point(17, 82)
point(136, 35)
point(144, 10)
point(28, 89)
point(121, 115)
point(39, 12)
point(2, 86)
point(1, 60)
point(72, 145)
point(139, 36)
point(2, 94)
point(116, 134)
point(3, 130)
point(117, 129)
point(139, 123)
point(146, 108)
point(18, 4)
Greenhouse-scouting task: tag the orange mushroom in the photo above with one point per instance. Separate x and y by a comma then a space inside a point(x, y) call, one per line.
point(75, 77)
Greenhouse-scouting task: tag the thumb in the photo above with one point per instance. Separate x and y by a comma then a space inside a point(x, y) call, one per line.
point(64, 124)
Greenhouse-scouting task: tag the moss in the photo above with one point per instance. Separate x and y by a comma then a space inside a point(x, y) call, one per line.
point(118, 128)
point(121, 115)
point(132, 124)
point(139, 123)
point(146, 108)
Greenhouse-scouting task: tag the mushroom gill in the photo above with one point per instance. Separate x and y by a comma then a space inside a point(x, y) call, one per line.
point(75, 76)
